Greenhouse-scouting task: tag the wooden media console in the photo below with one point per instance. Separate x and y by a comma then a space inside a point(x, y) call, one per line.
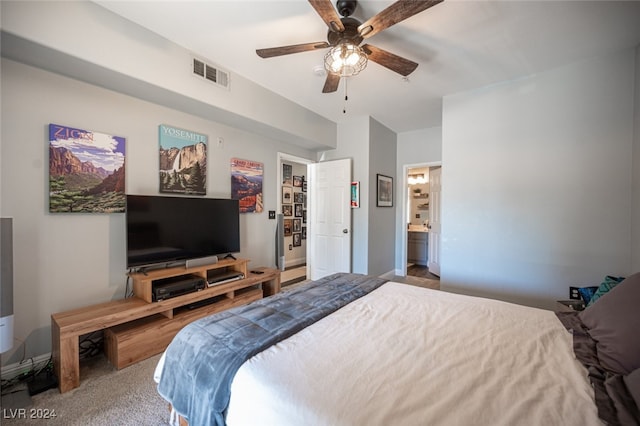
point(137, 328)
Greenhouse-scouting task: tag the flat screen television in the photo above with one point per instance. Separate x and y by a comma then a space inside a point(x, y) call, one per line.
point(166, 230)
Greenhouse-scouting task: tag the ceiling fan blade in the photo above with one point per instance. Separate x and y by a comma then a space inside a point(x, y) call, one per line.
point(294, 48)
point(398, 11)
point(387, 59)
point(331, 83)
point(328, 14)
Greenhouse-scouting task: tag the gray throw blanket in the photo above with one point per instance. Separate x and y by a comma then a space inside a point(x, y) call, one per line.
point(203, 358)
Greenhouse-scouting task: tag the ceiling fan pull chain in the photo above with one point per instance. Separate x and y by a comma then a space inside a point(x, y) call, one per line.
point(346, 96)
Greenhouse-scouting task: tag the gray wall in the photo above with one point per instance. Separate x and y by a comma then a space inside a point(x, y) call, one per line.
point(65, 261)
point(537, 182)
point(382, 160)
point(635, 226)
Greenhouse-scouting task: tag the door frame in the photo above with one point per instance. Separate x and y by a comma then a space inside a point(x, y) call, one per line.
point(404, 235)
point(283, 156)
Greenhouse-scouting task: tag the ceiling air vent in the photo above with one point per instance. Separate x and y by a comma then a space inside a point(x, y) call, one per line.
point(211, 73)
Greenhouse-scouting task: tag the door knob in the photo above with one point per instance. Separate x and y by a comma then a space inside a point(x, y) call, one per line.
point(345, 231)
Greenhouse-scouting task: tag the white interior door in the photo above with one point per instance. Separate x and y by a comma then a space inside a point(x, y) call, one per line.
point(329, 216)
point(435, 188)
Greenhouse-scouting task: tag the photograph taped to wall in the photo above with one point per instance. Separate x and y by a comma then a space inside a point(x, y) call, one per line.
point(96, 185)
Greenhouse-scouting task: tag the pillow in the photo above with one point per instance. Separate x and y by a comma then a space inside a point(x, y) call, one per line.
point(606, 286)
point(587, 293)
point(613, 323)
point(632, 381)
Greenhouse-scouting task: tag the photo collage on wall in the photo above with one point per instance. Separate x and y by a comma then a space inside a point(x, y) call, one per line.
point(294, 205)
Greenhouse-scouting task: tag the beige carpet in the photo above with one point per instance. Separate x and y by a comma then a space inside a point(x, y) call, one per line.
point(106, 396)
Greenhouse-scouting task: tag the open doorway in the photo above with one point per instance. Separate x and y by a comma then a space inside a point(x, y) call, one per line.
point(421, 219)
point(293, 204)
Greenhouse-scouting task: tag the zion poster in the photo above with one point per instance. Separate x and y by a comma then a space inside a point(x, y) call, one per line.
point(86, 171)
point(246, 184)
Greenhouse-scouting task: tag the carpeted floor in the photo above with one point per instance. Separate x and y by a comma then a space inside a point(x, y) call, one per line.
point(105, 397)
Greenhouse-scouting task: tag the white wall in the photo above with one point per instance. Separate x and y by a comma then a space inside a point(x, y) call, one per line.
point(537, 177)
point(418, 147)
point(64, 261)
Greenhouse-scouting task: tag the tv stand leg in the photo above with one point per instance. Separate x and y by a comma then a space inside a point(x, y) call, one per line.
point(230, 256)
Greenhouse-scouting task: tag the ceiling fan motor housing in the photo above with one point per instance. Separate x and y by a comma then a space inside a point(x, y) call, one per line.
point(346, 7)
point(350, 33)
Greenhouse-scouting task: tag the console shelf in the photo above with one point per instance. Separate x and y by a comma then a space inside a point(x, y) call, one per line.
point(137, 328)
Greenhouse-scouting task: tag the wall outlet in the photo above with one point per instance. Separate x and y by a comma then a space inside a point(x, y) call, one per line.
point(574, 294)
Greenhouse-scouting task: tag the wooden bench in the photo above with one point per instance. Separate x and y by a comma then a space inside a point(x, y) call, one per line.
point(134, 312)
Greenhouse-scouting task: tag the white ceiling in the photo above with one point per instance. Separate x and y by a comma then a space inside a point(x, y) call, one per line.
point(459, 45)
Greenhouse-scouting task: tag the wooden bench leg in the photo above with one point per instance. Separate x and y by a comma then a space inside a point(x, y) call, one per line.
point(66, 361)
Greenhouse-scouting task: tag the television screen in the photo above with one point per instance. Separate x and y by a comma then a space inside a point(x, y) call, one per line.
point(164, 230)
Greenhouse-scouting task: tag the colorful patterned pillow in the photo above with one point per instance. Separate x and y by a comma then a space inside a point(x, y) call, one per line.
point(587, 293)
point(608, 283)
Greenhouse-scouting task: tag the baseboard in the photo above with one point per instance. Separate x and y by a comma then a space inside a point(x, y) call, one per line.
point(388, 275)
point(292, 263)
point(10, 371)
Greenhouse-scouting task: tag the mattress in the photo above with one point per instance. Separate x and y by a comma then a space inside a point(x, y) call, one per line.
point(406, 355)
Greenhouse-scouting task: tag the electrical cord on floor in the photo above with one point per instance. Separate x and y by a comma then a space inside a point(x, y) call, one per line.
point(91, 345)
point(128, 290)
point(8, 386)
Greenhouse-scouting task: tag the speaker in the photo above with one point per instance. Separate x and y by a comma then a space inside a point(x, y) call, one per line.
point(200, 261)
point(6, 284)
point(280, 241)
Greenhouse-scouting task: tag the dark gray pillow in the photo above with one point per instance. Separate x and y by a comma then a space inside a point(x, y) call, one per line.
point(614, 323)
point(632, 381)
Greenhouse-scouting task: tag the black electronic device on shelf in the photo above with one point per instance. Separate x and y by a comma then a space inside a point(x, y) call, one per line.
point(168, 288)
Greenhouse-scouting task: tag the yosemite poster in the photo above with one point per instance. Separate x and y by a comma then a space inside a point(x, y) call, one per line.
point(183, 161)
point(86, 171)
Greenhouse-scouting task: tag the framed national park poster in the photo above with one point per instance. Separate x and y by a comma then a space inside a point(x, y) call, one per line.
point(183, 161)
point(246, 184)
point(86, 171)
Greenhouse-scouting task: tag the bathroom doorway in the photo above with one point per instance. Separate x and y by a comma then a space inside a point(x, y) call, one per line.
point(421, 216)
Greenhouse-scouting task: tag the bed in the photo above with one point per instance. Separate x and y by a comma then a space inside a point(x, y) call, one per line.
point(404, 355)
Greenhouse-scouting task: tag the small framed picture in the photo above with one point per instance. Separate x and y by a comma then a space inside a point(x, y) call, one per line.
point(287, 170)
point(287, 198)
point(384, 191)
point(298, 210)
point(298, 197)
point(304, 216)
point(297, 181)
point(355, 195)
point(297, 225)
point(287, 210)
point(287, 225)
point(304, 186)
point(297, 240)
point(304, 232)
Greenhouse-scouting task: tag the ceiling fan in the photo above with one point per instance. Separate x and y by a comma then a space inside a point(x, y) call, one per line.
point(346, 57)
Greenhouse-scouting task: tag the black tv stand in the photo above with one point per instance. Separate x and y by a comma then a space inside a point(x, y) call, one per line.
point(230, 256)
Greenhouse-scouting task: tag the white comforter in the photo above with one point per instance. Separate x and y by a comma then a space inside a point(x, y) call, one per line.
point(405, 355)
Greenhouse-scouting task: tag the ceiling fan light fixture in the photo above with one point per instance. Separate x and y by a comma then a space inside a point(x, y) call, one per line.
point(345, 59)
